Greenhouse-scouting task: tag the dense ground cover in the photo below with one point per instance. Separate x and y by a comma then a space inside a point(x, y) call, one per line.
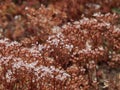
point(59, 45)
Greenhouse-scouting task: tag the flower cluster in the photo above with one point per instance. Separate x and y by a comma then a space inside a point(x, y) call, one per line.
point(70, 55)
